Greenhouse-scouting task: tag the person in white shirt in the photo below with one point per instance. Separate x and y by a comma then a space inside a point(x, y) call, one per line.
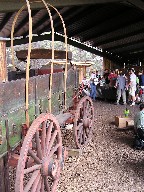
point(93, 75)
point(132, 86)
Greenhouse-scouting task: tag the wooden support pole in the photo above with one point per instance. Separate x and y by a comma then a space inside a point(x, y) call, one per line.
point(4, 166)
point(3, 65)
point(84, 71)
point(4, 169)
point(80, 75)
point(2, 183)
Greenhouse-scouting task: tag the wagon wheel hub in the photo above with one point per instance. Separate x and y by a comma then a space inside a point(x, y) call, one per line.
point(86, 122)
point(49, 167)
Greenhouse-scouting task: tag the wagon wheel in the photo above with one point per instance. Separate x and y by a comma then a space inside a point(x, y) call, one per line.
point(83, 122)
point(43, 144)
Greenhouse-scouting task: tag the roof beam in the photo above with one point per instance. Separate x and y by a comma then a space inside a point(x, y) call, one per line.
point(123, 45)
point(114, 24)
point(5, 20)
point(25, 21)
point(138, 3)
point(93, 12)
point(74, 13)
point(15, 5)
point(124, 42)
point(116, 35)
point(130, 48)
point(46, 19)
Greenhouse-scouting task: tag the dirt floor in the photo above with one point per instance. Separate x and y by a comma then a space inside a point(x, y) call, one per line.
point(109, 162)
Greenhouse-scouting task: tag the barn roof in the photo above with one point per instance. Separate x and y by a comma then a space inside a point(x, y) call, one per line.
point(110, 28)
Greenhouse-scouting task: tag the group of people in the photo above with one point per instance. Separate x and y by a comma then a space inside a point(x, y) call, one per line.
point(91, 83)
point(128, 85)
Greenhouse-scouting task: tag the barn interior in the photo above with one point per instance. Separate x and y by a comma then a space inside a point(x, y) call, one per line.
point(112, 29)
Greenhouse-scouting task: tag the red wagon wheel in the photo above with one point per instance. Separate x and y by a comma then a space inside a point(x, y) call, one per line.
point(83, 122)
point(43, 146)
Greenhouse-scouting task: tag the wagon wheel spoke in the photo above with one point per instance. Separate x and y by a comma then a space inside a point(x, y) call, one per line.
point(87, 108)
point(31, 181)
point(84, 135)
point(33, 155)
point(46, 184)
point(38, 144)
point(81, 136)
point(51, 141)
point(54, 149)
point(54, 185)
point(35, 184)
point(90, 114)
point(43, 138)
point(31, 169)
point(39, 186)
point(42, 185)
point(86, 132)
point(80, 130)
point(48, 136)
point(84, 108)
point(81, 113)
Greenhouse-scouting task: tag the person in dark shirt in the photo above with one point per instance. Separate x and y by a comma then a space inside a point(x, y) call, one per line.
point(106, 74)
point(141, 78)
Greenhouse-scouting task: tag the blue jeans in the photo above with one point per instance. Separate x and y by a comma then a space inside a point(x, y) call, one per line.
point(93, 91)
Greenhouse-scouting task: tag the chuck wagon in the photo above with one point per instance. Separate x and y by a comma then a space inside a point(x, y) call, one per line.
point(33, 111)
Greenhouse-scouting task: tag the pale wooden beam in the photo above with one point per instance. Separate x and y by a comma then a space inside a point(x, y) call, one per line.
point(3, 65)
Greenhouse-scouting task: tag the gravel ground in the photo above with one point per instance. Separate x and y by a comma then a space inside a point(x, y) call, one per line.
point(108, 163)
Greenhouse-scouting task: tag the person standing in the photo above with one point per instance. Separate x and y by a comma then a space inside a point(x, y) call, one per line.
point(93, 75)
point(132, 86)
point(112, 78)
point(93, 89)
point(139, 128)
point(141, 78)
point(121, 88)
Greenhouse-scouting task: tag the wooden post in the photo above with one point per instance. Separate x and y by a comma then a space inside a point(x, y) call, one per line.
point(80, 75)
point(4, 169)
point(3, 65)
point(4, 174)
point(2, 185)
point(84, 71)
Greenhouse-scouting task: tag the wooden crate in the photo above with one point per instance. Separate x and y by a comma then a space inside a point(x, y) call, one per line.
point(122, 122)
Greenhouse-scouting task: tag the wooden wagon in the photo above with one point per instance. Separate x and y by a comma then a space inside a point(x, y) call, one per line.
point(32, 112)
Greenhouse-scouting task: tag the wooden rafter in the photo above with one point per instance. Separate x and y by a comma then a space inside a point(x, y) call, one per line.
point(5, 20)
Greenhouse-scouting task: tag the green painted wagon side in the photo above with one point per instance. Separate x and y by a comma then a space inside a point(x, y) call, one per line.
point(12, 102)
